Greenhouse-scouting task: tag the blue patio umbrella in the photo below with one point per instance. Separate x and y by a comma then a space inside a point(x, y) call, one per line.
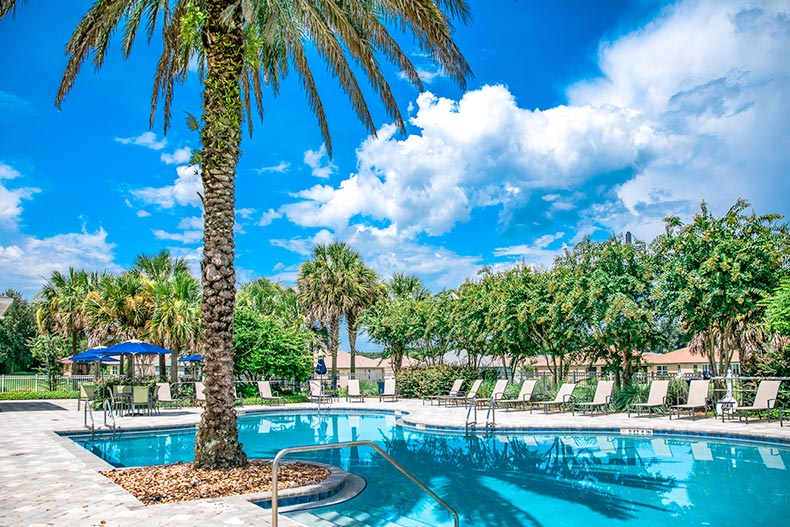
point(92, 355)
point(320, 367)
point(135, 347)
point(191, 358)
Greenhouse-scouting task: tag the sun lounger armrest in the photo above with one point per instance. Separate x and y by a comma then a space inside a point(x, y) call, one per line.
point(608, 400)
point(568, 399)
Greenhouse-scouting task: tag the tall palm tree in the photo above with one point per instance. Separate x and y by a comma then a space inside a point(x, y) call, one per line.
point(407, 286)
point(272, 299)
point(240, 46)
point(61, 304)
point(364, 289)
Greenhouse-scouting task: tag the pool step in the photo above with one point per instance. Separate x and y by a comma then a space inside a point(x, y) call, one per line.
point(357, 519)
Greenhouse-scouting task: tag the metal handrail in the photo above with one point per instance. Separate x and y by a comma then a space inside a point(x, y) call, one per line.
point(472, 406)
point(87, 410)
point(491, 412)
point(334, 446)
point(108, 409)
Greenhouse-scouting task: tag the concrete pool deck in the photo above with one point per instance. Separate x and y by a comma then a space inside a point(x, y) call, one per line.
point(47, 480)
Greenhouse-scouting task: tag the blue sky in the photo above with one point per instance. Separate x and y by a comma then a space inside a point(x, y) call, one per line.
point(583, 118)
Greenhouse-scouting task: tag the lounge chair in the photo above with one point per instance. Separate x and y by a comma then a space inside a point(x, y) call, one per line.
point(237, 399)
point(265, 393)
point(87, 393)
point(764, 400)
point(316, 393)
point(657, 398)
point(455, 391)
point(389, 391)
point(462, 399)
point(354, 392)
point(164, 397)
point(601, 399)
point(697, 398)
point(121, 398)
point(524, 396)
point(499, 391)
point(563, 398)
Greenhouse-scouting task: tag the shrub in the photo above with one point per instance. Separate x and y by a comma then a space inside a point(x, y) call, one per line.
point(29, 396)
point(421, 382)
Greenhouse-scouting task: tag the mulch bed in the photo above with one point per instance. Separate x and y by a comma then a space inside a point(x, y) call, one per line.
point(184, 482)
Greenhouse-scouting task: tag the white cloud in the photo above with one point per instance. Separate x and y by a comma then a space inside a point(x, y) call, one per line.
point(11, 198)
point(304, 246)
point(14, 108)
point(537, 253)
point(279, 168)
point(143, 214)
point(319, 162)
point(186, 237)
point(268, 217)
point(179, 157)
point(184, 190)
point(191, 222)
point(29, 262)
point(146, 139)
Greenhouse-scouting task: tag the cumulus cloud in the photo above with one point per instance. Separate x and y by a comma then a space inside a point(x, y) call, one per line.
point(184, 191)
point(146, 139)
point(268, 217)
point(179, 157)
point(304, 246)
point(11, 198)
point(320, 164)
point(186, 237)
point(29, 262)
point(536, 253)
point(691, 106)
point(279, 168)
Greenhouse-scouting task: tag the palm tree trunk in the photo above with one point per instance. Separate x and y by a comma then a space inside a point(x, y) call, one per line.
point(174, 368)
point(351, 322)
point(334, 343)
point(217, 442)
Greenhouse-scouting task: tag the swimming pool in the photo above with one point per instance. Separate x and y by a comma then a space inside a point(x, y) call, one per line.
point(511, 479)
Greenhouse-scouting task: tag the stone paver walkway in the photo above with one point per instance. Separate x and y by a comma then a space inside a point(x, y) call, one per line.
point(47, 480)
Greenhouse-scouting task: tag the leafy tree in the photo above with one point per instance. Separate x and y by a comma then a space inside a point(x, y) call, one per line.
point(713, 273)
point(611, 293)
point(264, 347)
point(777, 308)
point(47, 349)
point(395, 324)
point(241, 47)
point(17, 327)
point(273, 300)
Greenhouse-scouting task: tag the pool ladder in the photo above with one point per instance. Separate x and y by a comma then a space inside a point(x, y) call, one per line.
point(471, 415)
point(88, 412)
point(334, 446)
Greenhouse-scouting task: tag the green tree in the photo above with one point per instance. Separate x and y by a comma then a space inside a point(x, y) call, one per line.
point(611, 292)
point(47, 349)
point(61, 307)
point(264, 347)
point(240, 48)
point(713, 273)
point(273, 300)
point(777, 308)
point(17, 327)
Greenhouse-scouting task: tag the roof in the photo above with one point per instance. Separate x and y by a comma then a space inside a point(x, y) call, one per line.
point(679, 356)
point(344, 361)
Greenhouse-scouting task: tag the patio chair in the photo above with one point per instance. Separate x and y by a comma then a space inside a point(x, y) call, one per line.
point(524, 396)
point(141, 397)
point(389, 391)
point(200, 393)
point(121, 396)
point(354, 392)
point(455, 391)
point(601, 399)
point(316, 393)
point(164, 397)
point(563, 398)
point(697, 398)
point(265, 393)
point(87, 393)
point(499, 391)
point(764, 400)
point(462, 399)
point(657, 398)
point(237, 399)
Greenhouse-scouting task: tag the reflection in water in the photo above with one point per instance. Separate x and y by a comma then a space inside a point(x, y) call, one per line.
point(512, 480)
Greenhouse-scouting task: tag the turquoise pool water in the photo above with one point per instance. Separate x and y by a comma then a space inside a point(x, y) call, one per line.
point(540, 480)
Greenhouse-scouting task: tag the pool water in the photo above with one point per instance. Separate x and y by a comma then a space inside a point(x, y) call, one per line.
point(513, 479)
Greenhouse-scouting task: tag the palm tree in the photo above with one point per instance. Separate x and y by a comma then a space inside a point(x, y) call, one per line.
point(241, 46)
point(407, 286)
point(61, 304)
point(365, 288)
point(175, 317)
point(274, 300)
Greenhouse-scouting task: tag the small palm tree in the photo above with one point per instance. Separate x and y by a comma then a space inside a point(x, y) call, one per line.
point(61, 304)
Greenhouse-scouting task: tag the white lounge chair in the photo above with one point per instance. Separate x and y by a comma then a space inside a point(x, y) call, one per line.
point(316, 394)
point(524, 396)
point(657, 398)
point(697, 398)
point(563, 398)
point(455, 391)
point(164, 397)
point(601, 399)
point(461, 399)
point(764, 400)
point(200, 393)
point(354, 393)
point(265, 393)
point(389, 391)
